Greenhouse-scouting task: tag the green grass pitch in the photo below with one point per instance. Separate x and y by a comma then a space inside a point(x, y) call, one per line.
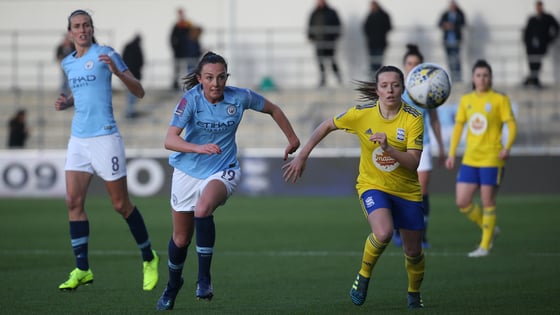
point(283, 255)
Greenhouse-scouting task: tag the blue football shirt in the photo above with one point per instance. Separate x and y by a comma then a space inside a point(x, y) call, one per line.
point(205, 123)
point(90, 82)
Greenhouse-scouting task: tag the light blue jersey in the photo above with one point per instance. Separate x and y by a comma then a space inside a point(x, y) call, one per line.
point(425, 114)
point(211, 123)
point(90, 82)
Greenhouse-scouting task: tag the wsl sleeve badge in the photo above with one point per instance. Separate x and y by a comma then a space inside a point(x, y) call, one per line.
point(180, 109)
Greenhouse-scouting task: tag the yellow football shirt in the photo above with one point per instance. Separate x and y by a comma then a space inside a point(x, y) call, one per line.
point(485, 115)
point(378, 170)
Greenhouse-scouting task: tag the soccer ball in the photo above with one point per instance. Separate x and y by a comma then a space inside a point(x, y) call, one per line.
point(428, 85)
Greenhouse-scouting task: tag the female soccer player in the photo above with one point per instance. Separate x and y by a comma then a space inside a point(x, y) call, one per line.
point(206, 169)
point(390, 133)
point(412, 58)
point(96, 145)
point(484, 111)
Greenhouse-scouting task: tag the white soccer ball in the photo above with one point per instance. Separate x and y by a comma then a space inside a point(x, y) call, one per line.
point(428, 85)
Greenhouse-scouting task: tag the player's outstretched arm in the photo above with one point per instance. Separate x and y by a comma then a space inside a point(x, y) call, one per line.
point(284, 124)
point(294, 169)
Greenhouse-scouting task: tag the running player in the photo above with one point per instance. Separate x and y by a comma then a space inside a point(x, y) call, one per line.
point(390, 133)
point(206, 169)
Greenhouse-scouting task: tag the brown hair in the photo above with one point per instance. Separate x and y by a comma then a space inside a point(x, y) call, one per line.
point(481, 63)
point(413, 50)
point(368, 90)
point(190, 80)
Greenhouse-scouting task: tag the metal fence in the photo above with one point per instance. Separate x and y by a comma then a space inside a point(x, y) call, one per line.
point(27, 58)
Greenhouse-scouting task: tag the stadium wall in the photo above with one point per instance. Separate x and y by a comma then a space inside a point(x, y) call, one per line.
point(264, 38)
point(30, 173)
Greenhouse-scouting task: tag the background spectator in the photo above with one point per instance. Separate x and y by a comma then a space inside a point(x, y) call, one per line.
point(540, 32)
point(451, 22)
point(62, 50)
point(133, 57)
point(194, 51)
point(323, 30)
point(18, 131)
point(376, 27)
point(179, 43)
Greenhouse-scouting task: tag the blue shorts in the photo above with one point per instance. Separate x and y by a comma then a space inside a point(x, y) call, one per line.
point(480, 175)
point(406, 214)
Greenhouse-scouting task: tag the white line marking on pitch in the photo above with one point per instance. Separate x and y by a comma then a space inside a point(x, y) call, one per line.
point(286, 253)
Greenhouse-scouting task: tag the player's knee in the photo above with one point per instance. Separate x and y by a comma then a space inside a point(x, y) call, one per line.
point(181, 240)
point(384, 236)
point(202, 211)
point(75, 204)
point(123, 207)
point(462, 204)
point(412, 251)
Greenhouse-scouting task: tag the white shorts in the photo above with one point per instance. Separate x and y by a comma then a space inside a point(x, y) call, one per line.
point(425, 164)
point(185, 189)
point(103, 155)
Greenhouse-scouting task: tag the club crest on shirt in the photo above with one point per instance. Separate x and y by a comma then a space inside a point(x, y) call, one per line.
point(400, 134)
point(383, 161)
point(88, 65)
point(231, 110)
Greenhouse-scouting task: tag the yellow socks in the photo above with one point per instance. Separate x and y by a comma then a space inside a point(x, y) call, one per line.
point(485, 219)
point(372, 251)
point(488, 226)
point(473, 213)
point(415, 267)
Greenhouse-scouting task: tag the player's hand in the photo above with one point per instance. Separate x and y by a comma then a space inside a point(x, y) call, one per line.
point(108, 61)
point(293, 169)
point(291, 148)
point(381, 138)
point(504, 154)
point(209, 148)
point(61, 102)
point(450, 162)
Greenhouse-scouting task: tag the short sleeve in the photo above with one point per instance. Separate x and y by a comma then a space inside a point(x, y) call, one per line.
point(117, 59)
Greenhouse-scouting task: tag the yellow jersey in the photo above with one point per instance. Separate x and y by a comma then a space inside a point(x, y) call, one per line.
point(485, 115)
point(378, 170)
